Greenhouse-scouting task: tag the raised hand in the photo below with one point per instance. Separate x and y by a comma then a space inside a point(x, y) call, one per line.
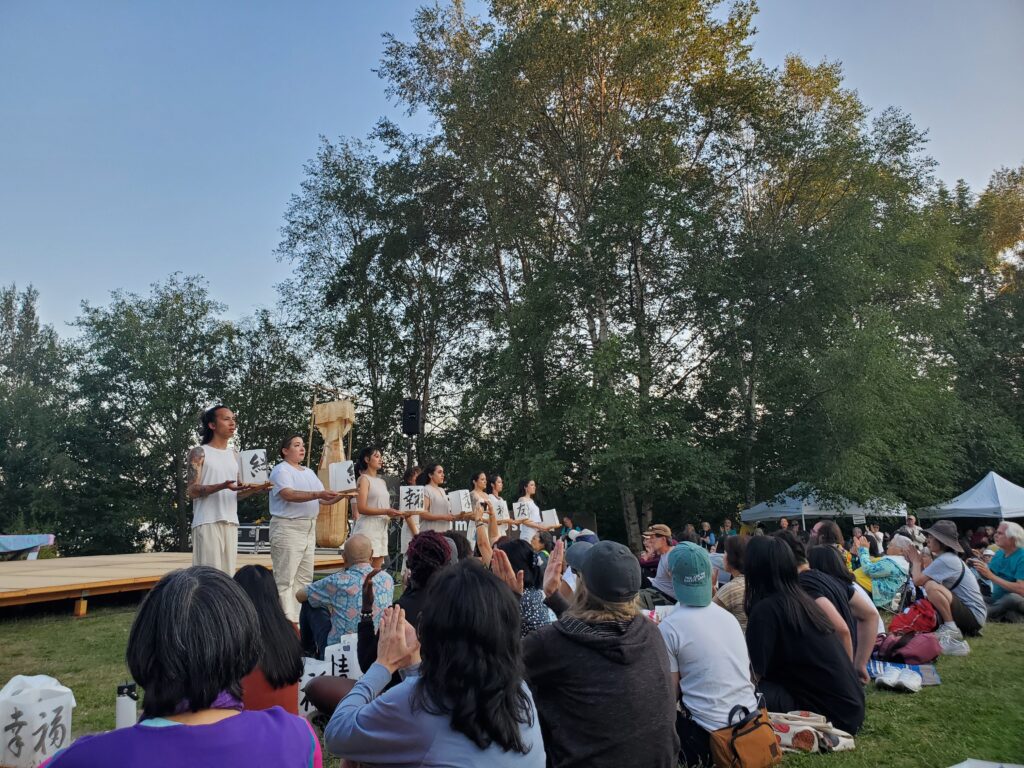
point(502, 568)
point(553, 572)
point(392, 646)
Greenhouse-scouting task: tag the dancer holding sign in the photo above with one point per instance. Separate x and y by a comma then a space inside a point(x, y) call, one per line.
point(437, 514)
point(528, 513)
point(295, 503)
point(495, 485)
point(374, 503)
point(411, 506)
point(214, 487)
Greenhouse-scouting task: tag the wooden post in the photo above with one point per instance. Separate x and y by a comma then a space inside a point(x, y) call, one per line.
point(81, 606)
point(309, 443)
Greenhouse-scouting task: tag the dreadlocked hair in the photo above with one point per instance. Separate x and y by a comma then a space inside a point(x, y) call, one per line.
point(428, 553)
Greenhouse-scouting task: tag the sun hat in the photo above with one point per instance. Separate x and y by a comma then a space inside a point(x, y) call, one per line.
point(691, 570)
point(610, 571)
point(945, 532)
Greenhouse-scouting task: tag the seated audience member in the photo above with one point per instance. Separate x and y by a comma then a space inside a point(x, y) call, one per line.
point(462, 547)
point(542, 544)
point(600, 674)
point(730, 596)
point(341, 593)
point(887, 576)
point(1006, 573)
point(521, 555)
point(868, 623)
point(194, 638)
point(831, 596)
point(463, 701)
point(649, 560)
point(275, 679)
point(707, 536)
point(660, 591)
point(797, 660)
point(706, 652)
point(573, 560)
point(914, 532)
point(827, 532)
point(951, 587)
point(982, 537)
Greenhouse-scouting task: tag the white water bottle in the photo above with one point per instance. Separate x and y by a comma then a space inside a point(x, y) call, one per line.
point(126, 712)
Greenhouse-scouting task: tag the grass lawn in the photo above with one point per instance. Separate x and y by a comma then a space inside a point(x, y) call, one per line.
point(978, 711)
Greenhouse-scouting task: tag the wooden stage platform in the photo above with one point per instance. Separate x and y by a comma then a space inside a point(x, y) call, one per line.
point(77, 578)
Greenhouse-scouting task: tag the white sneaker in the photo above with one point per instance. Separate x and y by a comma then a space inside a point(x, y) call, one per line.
point(909, 681)
point(888, 678)
point(949, 631)
point(952, 646)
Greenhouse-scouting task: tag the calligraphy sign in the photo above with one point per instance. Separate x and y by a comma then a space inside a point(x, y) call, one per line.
point(311, 668)
point(410, 498)
point(35, 720)
point(342, 476)
point(253, 468)
point(342, 659)
point(460, 502)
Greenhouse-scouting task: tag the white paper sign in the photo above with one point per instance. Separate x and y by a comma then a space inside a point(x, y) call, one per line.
point(342, 476)
point(253, 467)
point(342, 658)
point(410, 498)
point(460, 502)
point(35, 720)
point(549, 517)
point(311, 668)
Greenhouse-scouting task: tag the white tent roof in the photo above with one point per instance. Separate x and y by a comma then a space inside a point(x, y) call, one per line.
point(994, 496)
point(791, 503)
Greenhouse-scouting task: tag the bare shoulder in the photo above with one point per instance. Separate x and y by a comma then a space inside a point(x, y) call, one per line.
point(197, 455)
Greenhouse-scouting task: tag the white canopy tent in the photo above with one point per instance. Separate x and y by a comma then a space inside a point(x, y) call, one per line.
point(799, 501)
point(994, 496)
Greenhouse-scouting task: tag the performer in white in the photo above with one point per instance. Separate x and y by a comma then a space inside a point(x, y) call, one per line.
point(373, 503)
point(295, 502)
point(213, 486)
point(495, 485)
point(531, 522)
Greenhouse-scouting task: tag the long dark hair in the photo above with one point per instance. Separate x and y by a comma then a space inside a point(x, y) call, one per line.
point(826, 558)
point(280, 648)
point(206, 422)
point(523, 558)
point(196, 634)
point(424, 478)
point(491, 479)
point(770, 569)
point(474, 476)
point(472, 668)
point(522, 488)
point(364, 458)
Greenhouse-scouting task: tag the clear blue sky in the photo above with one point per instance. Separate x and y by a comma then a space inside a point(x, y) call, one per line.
point(140, 137)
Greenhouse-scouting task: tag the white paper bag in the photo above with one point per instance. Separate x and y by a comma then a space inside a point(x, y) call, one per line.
point(35, 720)
point(410, 498)
point(342, 476)
point(460, 502)
point(342, 659)
point(549, 517)
point(253, 467)
point(311, 668)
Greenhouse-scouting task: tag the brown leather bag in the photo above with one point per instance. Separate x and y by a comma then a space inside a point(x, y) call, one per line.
point(748, 741)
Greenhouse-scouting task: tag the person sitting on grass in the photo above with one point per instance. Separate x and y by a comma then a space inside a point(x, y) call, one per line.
point(463, 701)
point(826, 560)
point(951, 588)
point(730, 595)
point(195, 637)
point(707, 654)
point(1006, 573)
point(796, 658)
point(275, 680)
point(885, 578)
point(525, 560)
point(660, 591)
point(341, 592)
point(600, 674)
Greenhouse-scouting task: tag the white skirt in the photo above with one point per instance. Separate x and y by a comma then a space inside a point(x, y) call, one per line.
point(375, 528)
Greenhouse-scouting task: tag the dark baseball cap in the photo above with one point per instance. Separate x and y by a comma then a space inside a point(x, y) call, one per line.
point(576, 554)
point(610, 571)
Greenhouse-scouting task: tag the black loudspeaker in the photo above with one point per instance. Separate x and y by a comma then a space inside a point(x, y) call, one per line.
point(411, 417)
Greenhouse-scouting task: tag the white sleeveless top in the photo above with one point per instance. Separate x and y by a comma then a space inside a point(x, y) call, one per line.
point(219, 464)
point(438, 506)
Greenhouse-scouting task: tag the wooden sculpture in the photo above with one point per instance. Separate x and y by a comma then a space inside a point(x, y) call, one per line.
point(334, 421)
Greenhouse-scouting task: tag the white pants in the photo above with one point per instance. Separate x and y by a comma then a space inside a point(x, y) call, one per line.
point(216, 545)
point(292, 545)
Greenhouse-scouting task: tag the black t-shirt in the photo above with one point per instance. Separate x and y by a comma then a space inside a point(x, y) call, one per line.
point(818, 584)
point(811, 665)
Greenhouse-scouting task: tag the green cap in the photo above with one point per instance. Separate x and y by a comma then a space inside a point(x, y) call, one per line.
point(691, 574)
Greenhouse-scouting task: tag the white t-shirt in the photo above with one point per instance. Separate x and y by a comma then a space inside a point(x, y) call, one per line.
point(707, 648)
point(284, 475)
point(533, 512)
point(219, 464)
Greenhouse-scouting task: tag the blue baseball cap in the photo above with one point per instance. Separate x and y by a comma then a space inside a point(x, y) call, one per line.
point(691, 571)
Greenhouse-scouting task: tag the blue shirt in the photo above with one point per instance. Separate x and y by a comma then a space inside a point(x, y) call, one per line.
point(386, 730)
point(341, 594)
point(1007, 568)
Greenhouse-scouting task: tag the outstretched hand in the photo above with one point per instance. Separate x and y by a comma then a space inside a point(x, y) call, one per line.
point(502, 568)
point(397, 646)
point(553, 572)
